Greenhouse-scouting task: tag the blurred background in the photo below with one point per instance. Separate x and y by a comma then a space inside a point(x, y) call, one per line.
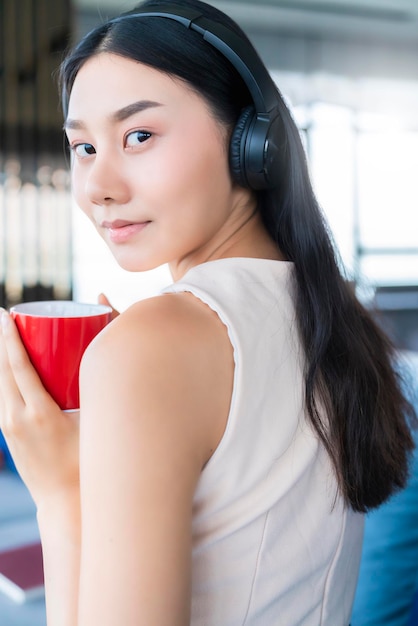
point(349, 71)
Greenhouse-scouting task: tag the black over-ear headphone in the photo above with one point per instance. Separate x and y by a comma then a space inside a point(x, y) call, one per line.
point(256, 142)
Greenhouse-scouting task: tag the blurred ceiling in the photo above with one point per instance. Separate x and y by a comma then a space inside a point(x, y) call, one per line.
point(390, 20)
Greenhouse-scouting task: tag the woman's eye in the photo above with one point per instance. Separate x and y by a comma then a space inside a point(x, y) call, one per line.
point(83, 149)
point(136, 137)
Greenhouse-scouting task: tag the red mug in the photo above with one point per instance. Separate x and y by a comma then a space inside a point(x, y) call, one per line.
point(55, 335)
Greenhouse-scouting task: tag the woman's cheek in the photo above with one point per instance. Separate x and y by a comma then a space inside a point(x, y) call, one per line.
point(77, 187)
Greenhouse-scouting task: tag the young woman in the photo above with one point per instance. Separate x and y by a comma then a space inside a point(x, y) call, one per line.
point(234, 428)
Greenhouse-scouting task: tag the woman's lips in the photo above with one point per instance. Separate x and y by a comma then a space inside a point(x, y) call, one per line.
point(121, 231)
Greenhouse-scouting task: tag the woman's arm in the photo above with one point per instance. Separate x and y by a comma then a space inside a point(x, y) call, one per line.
point(44, 444)
point(150, 420)
point(60, 529)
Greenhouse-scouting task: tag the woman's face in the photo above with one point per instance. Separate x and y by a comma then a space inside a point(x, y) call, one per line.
point(150, 165)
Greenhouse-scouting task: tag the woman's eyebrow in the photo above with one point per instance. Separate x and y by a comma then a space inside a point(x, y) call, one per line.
point(118, 116)
point(135, 107)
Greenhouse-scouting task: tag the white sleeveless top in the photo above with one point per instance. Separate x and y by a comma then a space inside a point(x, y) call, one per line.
point(273, 543)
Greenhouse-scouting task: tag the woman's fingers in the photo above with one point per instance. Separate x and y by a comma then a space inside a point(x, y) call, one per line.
point(19, 380)
point(10, 395)
point(103, 300)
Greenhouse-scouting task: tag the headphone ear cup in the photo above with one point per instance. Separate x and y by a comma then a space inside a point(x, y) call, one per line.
point(237, 146)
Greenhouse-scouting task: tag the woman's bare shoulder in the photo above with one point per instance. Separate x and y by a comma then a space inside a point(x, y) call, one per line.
point(167, 355)
point(167, 322)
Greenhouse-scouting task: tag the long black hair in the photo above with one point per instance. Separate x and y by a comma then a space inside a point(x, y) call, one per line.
point(349, 361)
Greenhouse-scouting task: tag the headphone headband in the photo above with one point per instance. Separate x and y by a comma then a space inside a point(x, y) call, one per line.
point(233, 47)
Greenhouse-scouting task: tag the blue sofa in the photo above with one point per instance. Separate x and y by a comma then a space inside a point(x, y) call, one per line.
point(387, 590)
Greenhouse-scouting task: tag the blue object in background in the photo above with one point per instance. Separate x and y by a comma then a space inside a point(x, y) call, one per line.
point(413, 620)
point(5, 451)
point(387, 590)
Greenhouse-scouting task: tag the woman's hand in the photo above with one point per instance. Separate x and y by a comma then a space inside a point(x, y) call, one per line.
point(42, 439)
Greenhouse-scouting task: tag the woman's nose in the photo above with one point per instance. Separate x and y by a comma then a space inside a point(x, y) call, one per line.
point(106, 183)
